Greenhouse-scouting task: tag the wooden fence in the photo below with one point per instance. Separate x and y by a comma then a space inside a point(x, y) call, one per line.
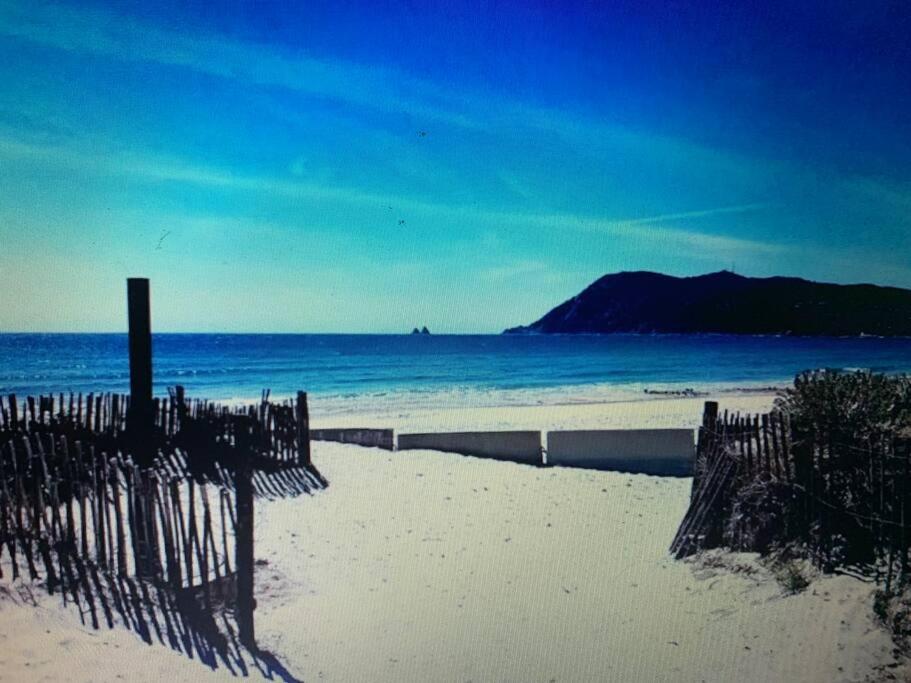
point(79, 493)
point(761, 479)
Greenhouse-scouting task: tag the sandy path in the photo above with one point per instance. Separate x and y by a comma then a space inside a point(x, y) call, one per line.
point(428, 566)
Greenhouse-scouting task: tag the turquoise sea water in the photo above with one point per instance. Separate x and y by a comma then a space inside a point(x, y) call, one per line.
point(343, 371)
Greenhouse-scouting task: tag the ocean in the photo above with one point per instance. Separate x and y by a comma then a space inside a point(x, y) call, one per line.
point(351, 373)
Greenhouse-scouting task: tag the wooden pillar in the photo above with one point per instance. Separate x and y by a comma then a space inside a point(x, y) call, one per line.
point(13, 412)
point(141, 417)
point(303, 430)
point(243, 541)
point(705, 438)
point(710, 414)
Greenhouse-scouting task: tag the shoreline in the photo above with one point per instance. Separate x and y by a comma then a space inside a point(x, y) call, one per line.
point(645, 412)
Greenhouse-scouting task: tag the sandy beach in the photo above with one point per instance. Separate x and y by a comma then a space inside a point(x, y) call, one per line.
point(422, 565)
point(649, 411)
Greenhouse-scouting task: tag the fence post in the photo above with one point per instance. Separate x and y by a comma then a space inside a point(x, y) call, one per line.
point(13, 413)
point(709, 423)
point(303, 430)
point(704, 439)
point(902, 451)
point(180, 410)
point(801, 450)
point(141, 417)
point(709, 413)
point(243, 546)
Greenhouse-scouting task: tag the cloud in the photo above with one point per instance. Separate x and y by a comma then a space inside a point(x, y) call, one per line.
point(700, 213)
point(170, 169)
point(734, 175)
point(642, 230)
point(160, 168)
point(98, 32)
point(512, 270)
point(515, 184)
point(710, 247)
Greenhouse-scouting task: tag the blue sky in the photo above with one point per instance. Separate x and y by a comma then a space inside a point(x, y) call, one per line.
point(369, 167)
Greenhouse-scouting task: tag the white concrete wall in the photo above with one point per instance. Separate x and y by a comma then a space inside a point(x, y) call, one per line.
point(522, 447)
point(379, 438)
point(665, 452)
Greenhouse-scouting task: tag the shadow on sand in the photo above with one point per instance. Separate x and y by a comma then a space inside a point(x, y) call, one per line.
point(185, 621)
point(197, 621)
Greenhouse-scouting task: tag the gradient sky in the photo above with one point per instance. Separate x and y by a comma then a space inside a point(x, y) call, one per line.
point(372, 166)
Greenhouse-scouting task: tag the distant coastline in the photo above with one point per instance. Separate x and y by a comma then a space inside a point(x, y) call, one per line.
point(726, 303)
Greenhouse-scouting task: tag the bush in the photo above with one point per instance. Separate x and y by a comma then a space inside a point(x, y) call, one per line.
point(791, 576)
point(844, 426)
point(763, 514)
point(893, 610)
point(852, 407)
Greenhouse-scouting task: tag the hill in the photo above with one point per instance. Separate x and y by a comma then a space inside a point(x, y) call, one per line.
point(726, 303)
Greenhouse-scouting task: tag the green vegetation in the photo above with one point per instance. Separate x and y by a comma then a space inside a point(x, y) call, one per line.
point(856, 409)
point(838, 492)
point(850, 434)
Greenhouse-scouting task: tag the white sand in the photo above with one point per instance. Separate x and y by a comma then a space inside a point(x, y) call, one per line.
point(43, 641)
point(437, 567)
point(429, 566)
point(649, 412)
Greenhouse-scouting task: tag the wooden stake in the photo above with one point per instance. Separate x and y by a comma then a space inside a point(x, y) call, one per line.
point(243, 544)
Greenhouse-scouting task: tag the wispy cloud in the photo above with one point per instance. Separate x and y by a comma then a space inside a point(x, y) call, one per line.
point(659, 237)
point(512, 270)
point(155, 168)
point(98, 32)
point(699, 213)
point(160, 169)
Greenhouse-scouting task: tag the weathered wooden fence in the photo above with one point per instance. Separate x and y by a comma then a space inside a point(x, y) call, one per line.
point(761, 479)
point(79, 493)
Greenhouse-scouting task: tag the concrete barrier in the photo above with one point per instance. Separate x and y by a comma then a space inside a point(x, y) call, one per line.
point(521, 447)
point(378, 438)
point(665, 452)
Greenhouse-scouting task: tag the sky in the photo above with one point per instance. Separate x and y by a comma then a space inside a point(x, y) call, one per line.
point(376, 166)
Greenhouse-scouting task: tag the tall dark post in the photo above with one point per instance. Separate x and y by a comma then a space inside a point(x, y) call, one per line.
point(141, 416)
point(243, 532)
point(705, 439)
point(710, 414)
point(303, 430)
